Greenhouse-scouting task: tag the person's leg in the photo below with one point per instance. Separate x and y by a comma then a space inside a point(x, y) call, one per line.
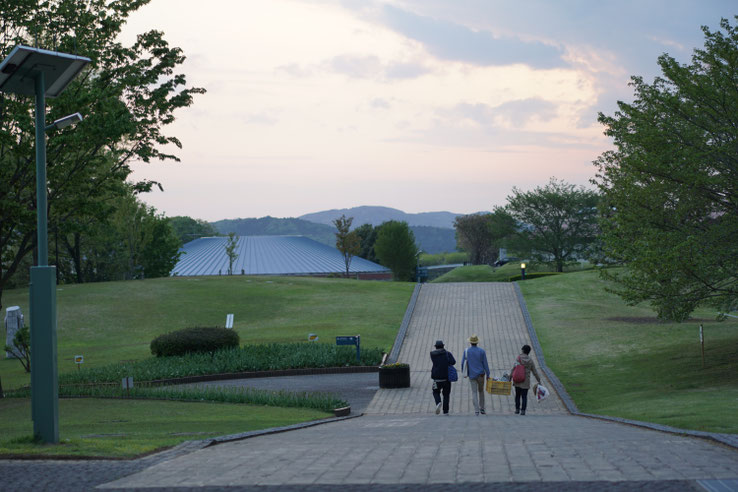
point(446, 395)
point(517, 399)
point(480, 390)
point(436, 393)
point(524, 397)
point(474, 394)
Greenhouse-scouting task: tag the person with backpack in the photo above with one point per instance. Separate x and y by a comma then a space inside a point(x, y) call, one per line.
point(475, 359)
point(520, 376)
point(442, 374)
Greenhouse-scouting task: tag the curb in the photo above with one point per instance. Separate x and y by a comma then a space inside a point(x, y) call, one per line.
point(730, 440)
point(400, 338)
point(275, 430)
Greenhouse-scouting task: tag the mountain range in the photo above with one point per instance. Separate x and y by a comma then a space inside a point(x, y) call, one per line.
point(433, 231)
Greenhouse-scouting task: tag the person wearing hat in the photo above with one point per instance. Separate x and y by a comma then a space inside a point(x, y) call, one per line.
point(441, 359)
point(475, 359)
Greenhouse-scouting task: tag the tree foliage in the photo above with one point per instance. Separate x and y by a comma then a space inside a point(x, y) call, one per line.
point(670, 187)
point(230, 249)
point(395, 248)
point(557, 223)
point(188, 229)
point(482, 235)
point(348, 242)
point(127, 95)
point(21, 347)
point(367, 237)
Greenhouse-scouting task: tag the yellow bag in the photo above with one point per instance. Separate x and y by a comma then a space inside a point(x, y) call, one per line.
point(499, 387)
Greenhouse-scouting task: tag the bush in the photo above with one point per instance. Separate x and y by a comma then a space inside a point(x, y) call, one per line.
point(191, 340)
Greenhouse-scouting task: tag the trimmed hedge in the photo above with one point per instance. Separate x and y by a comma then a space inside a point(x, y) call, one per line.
point(194, 340)
point(533, 275)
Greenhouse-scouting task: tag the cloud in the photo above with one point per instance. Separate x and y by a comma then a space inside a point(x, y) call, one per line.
point(295, 70)
point(379, 103)
point(451, 41)
point(357, 66)
point(405, 70)
point(512, 113)
point(259, 119)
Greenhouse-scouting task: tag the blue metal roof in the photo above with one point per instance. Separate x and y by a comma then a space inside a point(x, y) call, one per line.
point(267, 255)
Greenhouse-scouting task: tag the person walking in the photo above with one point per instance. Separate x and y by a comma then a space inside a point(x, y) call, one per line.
point(522, 384)
point(441, 359)
point(475, 360)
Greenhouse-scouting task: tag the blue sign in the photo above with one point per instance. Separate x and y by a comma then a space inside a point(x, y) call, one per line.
point(354, 340)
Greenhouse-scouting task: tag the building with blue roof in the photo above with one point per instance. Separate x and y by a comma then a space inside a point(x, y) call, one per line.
point(271, 255)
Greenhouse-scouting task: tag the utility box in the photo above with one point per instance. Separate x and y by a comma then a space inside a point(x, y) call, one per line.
point(13, 323)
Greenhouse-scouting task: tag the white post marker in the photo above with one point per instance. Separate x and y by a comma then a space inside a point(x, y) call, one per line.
point(312, 337)
point(229, 321)
point(702, 344)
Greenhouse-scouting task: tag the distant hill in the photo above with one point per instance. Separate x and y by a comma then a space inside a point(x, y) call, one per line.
point(271, 226)
point(377, 215)
point(429, 239)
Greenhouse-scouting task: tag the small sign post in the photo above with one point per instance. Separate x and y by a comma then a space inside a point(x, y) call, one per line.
point(702, 343)
point(312, 337)
point(127, 385)
point(79, 359)
point(229, 321)
point(354, 340)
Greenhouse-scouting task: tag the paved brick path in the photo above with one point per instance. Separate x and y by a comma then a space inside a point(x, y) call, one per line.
point(454, 312)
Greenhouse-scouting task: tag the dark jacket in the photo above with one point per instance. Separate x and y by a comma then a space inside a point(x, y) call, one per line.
point(440, 364)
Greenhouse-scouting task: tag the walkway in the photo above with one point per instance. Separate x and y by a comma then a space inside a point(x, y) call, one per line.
point(401, 441)
point(452, 313)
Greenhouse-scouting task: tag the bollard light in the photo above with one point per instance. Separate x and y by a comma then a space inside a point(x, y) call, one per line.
point(522, 271)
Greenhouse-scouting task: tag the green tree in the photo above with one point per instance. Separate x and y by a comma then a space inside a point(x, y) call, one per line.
point(127, 95)
point(188, 229)
point(347, 241)
point(21, 347)
point(395, 248)
point(482, 235)
point(557, 223)
point(230, 249)
point(670, 186)
point(367, 236)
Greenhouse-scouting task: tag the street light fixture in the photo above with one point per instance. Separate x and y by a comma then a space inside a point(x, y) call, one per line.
point(522, 271)
point(41, 73)
point(71, 119)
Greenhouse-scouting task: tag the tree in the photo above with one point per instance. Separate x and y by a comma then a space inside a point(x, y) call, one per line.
point(670, 187)
point(482, 235)
point(127, 95)
point(230, 249)
point(367, 236)
point(395, 248)
point(188, 229)
point(557, 223)
point(347, 241)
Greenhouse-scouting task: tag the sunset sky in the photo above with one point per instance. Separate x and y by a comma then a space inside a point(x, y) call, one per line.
point(421, 105)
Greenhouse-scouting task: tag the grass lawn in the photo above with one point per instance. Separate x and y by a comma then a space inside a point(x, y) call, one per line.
point(115, 321)
point(621, 361)
point(128, 428)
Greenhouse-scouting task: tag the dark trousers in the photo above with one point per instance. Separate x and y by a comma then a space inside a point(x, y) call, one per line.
point(521, 394)
point(442, 387)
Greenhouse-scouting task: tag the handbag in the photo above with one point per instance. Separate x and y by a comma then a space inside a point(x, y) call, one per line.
point(453, 376)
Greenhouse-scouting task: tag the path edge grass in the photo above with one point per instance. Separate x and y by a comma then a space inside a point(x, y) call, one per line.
point(730, 440)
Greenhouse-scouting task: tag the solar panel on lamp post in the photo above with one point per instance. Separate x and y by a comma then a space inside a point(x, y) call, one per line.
point(42, 73)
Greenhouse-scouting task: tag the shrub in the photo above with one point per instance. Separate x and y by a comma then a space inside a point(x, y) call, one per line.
point(191, 340)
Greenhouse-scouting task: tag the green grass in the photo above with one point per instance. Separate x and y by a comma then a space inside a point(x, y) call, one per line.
point(115, 321)
point(621, 361)
point(443, 258)
point(486, 273)
point(128, 428)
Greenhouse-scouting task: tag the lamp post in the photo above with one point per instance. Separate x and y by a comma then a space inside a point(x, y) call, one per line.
point(41, 73)
point(522, 271)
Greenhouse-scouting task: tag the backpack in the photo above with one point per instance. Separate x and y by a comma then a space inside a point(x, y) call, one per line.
point(453, 376)
point(518, 374)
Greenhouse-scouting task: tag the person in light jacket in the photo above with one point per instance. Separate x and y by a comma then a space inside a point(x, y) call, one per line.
point(475, 361)
point(521, 389)
point(441, 385)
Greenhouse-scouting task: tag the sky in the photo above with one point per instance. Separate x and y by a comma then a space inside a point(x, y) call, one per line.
point(419, 105)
